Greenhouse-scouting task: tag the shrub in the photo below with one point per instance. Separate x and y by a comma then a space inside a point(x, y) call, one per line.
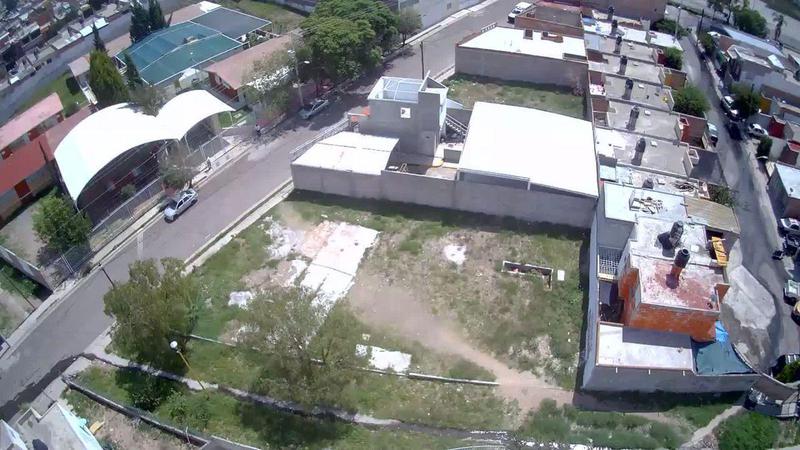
point(149, 393)
point(707, 42)
point(127, 191)
point(748, 431)
point(750, 21)
point(191, 411)
point(691, 100)
point(673, 58)
point(71, 108)
point(668, 26)
point(59, 225)
point(789, 373)
point(175, 177)
point(747, 100)
point(722, 195)
point(764, 146)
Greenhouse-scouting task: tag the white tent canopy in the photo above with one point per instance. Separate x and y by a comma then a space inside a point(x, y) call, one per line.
point(110, 132)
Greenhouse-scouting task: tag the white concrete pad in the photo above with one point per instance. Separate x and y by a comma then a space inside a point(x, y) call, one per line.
point(455, 253)
point(345, 248)
point(240, 299)
point(383, 359)
point(330, 285)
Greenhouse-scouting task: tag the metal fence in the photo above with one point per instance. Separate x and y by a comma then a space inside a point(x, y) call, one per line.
point(339, 126)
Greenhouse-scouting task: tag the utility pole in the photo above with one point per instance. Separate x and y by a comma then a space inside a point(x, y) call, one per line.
point(103, 269)
point(422, 57)
point(677, 23)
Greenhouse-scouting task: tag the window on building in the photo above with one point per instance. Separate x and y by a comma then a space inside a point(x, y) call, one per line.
point(405, 113)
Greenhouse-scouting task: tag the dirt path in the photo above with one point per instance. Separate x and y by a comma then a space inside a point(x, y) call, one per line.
point(395, 308)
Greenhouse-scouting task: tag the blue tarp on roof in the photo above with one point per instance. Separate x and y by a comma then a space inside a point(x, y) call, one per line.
point(717, 358)
point(722, 334)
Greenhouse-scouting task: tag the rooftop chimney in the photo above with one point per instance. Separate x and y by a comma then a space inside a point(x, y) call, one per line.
point(614, 25)
point(633, 118)
point(628, 89)
point(680, 263)
point(528, 34)
point(623, 65)
point(610, 13)
point(618, 45)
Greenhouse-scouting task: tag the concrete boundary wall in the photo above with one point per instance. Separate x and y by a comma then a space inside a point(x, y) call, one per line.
point(535, 205)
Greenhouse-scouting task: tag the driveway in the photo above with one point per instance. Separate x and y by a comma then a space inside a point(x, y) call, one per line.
point(63, 333)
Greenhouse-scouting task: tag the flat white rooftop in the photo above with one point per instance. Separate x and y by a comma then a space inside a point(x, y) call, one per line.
point(619, 346)
point(547, 149)
point(657, 39)
point(512, 40)
point(349, 152)
point(626, 203)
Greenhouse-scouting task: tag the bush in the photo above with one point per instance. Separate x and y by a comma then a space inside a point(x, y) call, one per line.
point(764, 146)
point(673, 58)
point(668, 26)
point(707, 42)
point(175, 177)
point(691, 100)
point(59, 225)
point(127, 191)
point(722, 195)
point(191, 411)
point(748, 431)
point(150, 392)
point(750, 21)
point(789, 373)
point(747, 100)
point(71, 108)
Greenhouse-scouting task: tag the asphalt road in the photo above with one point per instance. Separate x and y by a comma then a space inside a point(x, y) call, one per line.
point(758, 236)
point(21, 91)
point(72, 325)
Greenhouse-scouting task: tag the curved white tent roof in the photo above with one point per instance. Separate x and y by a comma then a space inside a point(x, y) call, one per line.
point(112, 131)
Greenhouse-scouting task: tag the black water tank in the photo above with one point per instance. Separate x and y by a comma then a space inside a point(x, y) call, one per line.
point(682, 258)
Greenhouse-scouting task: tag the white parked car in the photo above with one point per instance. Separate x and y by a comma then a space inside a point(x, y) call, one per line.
point(312, 109)
point(179, 204)
point(789, 225)
point(756, 130)
point(727, 104)
point(519, 8)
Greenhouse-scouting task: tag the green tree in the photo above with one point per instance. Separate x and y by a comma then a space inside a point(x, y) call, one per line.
point(668, 26)
point(99, 45)
point(140, 22)
point(155, 16)
point(708, 44)
point(673, 58)
point(691, 100)
point(341, 48)
point(174, 175)
point(778, 18)
point(408, 23)
point(132, 77)
point(722, 195)
point(96, 5)
point(382, 20)
point(152, 309)
point(311, 354)
point(790, 373)
point(273, 81)
point(59, 225)
point(748, 431)
point(764, 147)
point(148, 98)
point(105, 80)
point(750, 21)
point(746, 100)
point(720, 6)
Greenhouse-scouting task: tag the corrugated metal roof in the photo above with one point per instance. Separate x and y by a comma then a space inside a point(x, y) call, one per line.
point(711, 214)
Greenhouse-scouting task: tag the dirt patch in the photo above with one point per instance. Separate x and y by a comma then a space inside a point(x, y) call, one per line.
point(125, 433)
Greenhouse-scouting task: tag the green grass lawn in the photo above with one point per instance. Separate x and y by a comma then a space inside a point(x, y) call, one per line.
point(603, 429)
point(750, 430)
point(788, 7)
point(283, 19)
point(214, 413)
point(468, 89)
point(68, 92)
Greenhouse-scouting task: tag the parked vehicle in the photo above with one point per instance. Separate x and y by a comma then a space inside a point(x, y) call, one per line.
point(755, 130)
point(790, 245)
point(312, 109)
point(789, 226)
point(179, 204)
point(727, 105)
point(713, 134)
point(519, 8)
point(791, 291)
point(734, 131)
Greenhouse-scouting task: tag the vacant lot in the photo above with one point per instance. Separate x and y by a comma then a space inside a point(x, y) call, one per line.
point(468, 89)
point(283, 19)
point(66, 88)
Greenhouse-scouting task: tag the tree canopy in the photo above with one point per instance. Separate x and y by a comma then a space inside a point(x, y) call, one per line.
point(748, 431)
point(99, 45)
point(408, 22)
point(746, 100)
point(750, 21)
point(148, 98)
point(155, 16)
point(691, 100)
point(105, 80)
point(59, 225)
point(720, 6)
point(274, 74)
point(132, 77)
point(673, 58)
point(341, 48)
point(152, 309)
point(140, 22)
point(310, 354)
point(382, 20)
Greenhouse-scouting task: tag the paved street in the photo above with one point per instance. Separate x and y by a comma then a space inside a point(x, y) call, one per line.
point(73, 324)
point(758, 234)
point(24, 89)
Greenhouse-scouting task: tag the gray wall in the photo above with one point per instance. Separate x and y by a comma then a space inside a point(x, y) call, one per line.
point(434, 11)
point(417, 134)
point(619, 379)
point(518, 67)
point(535, 206)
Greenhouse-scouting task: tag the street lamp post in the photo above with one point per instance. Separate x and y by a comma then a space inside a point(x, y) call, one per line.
point(297, 74)
point(174, 345)
point(677, 23)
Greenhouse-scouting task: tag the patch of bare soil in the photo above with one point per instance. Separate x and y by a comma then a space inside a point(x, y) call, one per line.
point(126, 434)
point(397, 309)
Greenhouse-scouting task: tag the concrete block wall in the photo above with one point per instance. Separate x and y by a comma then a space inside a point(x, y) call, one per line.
point(518, 67)
point(621, 379)
point(538, 24)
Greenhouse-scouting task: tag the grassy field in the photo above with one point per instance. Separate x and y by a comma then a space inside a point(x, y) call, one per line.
point(283, 19)
point(788, 7)
point(218, 414)
point(68, 92)
point(514, 317)
point(468, 89)
point(750, 430)
point(603, 429)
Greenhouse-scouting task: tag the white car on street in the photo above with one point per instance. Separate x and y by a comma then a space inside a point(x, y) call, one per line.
point(312, 109)
point(178, 204)
point(756, 130)
point(519, 8)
